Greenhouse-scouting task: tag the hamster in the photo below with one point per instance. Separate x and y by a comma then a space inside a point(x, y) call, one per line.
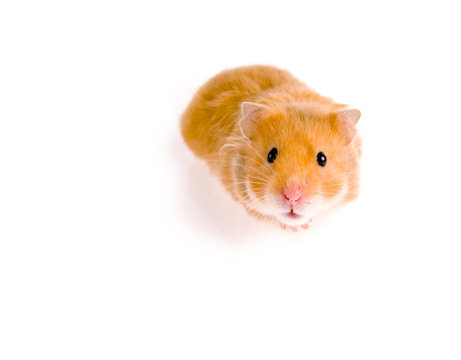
point(283, 151)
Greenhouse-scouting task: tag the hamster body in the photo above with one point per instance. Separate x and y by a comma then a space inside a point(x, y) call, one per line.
point(283, 151)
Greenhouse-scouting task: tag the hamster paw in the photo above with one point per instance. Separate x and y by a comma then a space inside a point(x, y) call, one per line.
point(295, 228)
point(285, 227)
point(306, 225)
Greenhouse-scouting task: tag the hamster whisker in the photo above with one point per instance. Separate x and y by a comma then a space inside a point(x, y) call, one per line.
point(257, 178)
point(251, 203)
point(226, 163)
point(249, 182)
point(246, 157)
point(248, 194)
point(239, 181)
point(252, 168)
point(264, 160)
point(258, 163)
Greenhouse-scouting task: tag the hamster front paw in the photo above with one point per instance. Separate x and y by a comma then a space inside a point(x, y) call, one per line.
point(295, 228)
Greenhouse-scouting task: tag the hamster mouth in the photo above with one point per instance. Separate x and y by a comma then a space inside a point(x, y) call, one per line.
point(293, 215)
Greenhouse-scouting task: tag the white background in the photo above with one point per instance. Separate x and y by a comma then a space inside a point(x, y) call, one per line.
point(116, 243)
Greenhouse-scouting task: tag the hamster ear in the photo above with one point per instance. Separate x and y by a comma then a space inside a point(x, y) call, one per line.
point(251, 116)
point(347, 120)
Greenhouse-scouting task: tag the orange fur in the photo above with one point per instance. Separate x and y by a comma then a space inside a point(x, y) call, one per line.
point(293, 118)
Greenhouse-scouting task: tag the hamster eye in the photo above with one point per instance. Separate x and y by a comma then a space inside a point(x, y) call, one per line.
point(321, 159)
point(272, 155)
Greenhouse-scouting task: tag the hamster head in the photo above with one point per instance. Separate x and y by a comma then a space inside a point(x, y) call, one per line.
point(296, 160)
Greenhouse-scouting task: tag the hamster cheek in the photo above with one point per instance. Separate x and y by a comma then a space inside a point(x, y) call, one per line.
point(333, 193)
point(331, 187)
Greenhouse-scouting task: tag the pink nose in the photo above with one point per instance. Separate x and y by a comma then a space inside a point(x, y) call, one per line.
point(292, 195)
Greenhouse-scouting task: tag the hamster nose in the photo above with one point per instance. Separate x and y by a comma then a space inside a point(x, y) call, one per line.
point(292, 195)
